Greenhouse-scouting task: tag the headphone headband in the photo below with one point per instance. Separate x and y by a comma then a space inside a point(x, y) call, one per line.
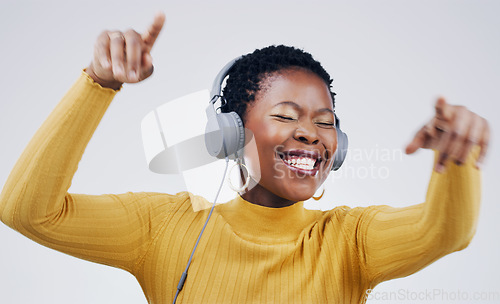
point(219, 79)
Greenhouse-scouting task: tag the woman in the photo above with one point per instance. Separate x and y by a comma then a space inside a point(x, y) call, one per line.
point(263, 246)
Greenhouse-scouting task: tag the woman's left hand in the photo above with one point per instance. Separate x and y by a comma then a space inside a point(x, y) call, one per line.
point(453, 131)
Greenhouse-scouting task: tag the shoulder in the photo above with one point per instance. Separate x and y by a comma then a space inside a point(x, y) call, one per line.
point(353, 219)
point(181, 201)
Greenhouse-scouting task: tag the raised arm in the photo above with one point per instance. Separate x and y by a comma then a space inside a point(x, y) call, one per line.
point(110, 229)
point(396, 242)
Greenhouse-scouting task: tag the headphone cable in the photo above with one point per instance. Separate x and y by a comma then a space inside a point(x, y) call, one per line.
point(184, 274)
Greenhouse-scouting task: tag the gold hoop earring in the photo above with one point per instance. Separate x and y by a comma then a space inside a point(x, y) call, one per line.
point(247, 179)
point(317, 198)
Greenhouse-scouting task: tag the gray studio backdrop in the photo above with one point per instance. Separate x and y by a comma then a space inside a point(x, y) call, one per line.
point(390, 60)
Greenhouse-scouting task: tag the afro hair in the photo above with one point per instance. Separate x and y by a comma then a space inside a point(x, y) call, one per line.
point(247, 75)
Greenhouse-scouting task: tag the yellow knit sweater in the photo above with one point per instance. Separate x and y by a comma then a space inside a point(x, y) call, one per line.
point(248, 253)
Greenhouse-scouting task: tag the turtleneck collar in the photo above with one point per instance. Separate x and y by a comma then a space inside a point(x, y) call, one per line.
point(265, 224)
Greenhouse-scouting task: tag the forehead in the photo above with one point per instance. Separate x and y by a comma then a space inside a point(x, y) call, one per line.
point(297, 85)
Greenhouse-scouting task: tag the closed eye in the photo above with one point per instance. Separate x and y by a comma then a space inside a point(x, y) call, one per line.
point(287, 118)
point(326, 124)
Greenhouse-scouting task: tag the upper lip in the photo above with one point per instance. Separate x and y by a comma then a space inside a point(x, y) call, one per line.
point(302, 153)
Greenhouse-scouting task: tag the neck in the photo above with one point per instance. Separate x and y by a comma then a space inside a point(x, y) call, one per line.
point(259, 195)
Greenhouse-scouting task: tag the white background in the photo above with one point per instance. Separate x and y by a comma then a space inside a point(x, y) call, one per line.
point(390, 61)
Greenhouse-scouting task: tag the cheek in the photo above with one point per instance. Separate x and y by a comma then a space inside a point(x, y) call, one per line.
point(330, 142)
point(260, 152)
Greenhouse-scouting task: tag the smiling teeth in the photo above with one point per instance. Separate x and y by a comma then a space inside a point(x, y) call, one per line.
point(304, 163)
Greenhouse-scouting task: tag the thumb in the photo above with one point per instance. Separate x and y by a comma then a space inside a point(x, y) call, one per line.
point(417, 142)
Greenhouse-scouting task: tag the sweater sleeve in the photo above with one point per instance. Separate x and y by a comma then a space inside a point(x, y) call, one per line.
point(110, 229)
point(396, 242)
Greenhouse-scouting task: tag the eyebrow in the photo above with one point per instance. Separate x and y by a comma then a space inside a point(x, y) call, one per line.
point(293, 104)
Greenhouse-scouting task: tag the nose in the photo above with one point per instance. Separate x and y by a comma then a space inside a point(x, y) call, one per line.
point(307, 133)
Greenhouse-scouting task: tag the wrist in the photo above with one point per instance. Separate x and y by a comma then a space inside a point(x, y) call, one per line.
point(115, 85)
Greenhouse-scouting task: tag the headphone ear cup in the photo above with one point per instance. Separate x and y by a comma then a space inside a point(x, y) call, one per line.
point(341, 152)
point(232, 132)
point(237, 133)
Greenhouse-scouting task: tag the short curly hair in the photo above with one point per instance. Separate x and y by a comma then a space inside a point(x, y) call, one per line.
point(246, 76)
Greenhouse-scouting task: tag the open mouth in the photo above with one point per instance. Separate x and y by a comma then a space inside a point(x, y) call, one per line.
point(302, 161)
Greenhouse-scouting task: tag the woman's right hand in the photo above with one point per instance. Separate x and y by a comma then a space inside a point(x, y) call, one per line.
point(124, 57)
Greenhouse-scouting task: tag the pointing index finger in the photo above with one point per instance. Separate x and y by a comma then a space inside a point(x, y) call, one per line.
point(149, 36)
point(443, 110)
